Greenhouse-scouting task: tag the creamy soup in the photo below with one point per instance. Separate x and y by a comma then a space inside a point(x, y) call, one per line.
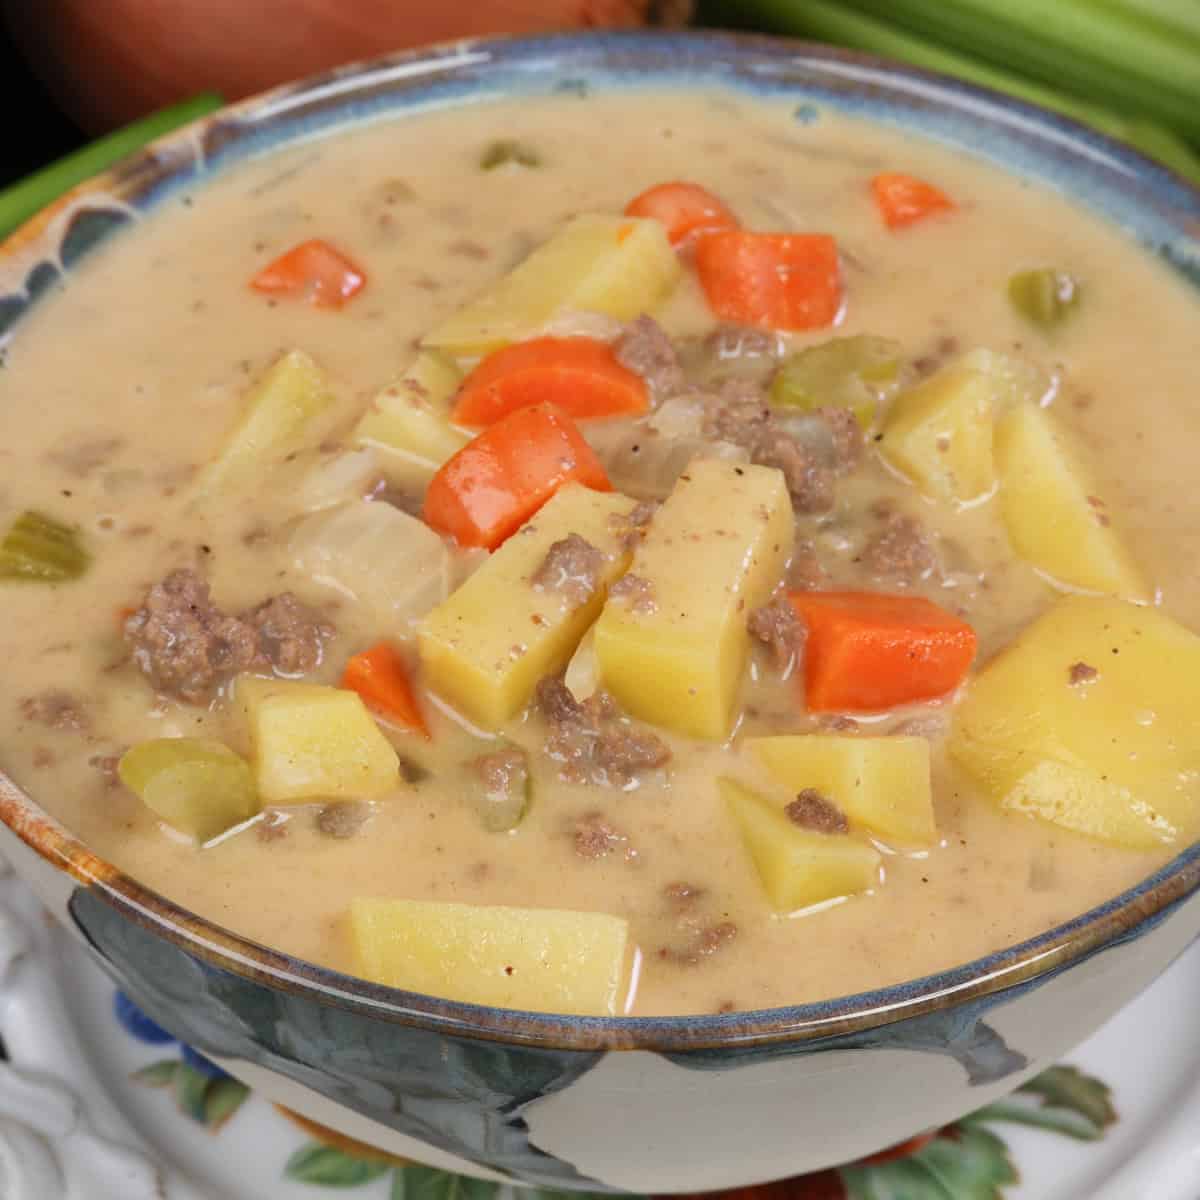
point(636, 788)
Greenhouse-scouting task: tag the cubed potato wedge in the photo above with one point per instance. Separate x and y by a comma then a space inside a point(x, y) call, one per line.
point(1089, 720)
point(619, 266)
point(386, 560)
point(539, 959)
point(715, 551)
point(1056, 519)
point(487, 645)
point(281, 403)
point(313, 742)
point(939, 434)
point(798, 867)
point(881, 783)
point(411, 417)
point(197, 785)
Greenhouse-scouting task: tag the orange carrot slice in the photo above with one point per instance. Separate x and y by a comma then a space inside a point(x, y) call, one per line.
point(312, 271)
point(580, 375)
point(775, 280)
point(868, 651)
point(686, 209)
point(498, 480)
point(380, 677)
point(903, 199)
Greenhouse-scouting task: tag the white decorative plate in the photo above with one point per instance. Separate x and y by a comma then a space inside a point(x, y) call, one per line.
point(96, 1104)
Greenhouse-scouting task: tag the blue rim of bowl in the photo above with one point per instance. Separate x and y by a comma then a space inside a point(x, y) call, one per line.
point(1161, 210)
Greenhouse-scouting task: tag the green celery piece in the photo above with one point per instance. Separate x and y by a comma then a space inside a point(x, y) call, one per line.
point(1110, 56)
point(1044, 296)
point(508, 150)
point(40, 548)
point(20, 201)
point(502, 799)
point(829, 20)
point(197, 785)
point(859, 373)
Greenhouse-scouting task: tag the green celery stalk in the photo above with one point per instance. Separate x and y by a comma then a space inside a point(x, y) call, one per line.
point(1109, 54)
point(832, 21)
point(20, 201)
point(1180, 17)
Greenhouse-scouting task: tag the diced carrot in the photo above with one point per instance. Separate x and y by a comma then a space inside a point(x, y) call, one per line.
point(380, 677)
point(868, 651)
point(686, 209)
point(776, 280)
point(901, 199)
point(580, 375)
point(498, 480)
point(313, 271)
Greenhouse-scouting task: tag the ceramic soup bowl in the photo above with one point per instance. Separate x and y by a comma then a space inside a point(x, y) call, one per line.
point(653, 1104)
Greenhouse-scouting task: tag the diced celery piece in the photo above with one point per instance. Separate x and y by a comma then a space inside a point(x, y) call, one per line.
point(289, 394)
point(620, 266)
point(411, 417)
point(40, 548)
point(312, 741)
point(544, 959)
point(506, 152)
point(197, 785)
point(859, 373)
point(499, 787)
point(798, 867)
point(1044, 296)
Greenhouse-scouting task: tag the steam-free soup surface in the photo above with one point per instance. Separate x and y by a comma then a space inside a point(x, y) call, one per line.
point(119, 391)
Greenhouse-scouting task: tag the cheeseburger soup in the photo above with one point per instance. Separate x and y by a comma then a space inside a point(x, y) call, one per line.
point(624, 554)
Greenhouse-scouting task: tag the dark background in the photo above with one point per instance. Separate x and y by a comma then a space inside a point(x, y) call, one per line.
point(34, 131)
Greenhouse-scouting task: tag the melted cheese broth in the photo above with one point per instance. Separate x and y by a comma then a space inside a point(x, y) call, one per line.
point(151, 345)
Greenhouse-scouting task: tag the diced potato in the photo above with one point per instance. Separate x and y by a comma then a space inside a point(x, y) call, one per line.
point(540, 959)
point(939, 434)
point(798, 867)
point(1054, 516)
point(880, 782)
point(197, 785)
point(486, 647)
point(347, 475)
point(290, 394)
point(1014, 380)
point(385, 559)
point(715, 551)
point(1089, 720)
point(619, 266)
point(314, 742)
point(411, 417)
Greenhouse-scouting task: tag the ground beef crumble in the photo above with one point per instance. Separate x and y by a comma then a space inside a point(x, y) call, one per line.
point(342, 819)
point(778, 627)
point(56, 709)
point(705, 943)
point(187, 647)
point(595, 837)
point(639, 592)
point(812, 810)
point(591, 741)
point(1081, 672)
point(631, 527)
point(645, 348)
point(572, 568)
point(902, 552)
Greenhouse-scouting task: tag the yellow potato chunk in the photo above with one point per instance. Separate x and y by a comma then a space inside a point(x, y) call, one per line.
point(197, 785)
point(675, 655)
point(411, 417)
point(312, 741)
point(540, 959)
point(939, 434)
point(486, 646)
point(798, 867)
point(1089, 720)
point(619, 266)
point(1055, 518)
point(289, 394)
point(879, 782)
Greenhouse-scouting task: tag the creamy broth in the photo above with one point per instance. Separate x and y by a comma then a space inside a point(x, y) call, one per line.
point(116, 390)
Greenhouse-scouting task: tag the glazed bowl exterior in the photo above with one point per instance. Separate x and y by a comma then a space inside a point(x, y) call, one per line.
point(626, 1104)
